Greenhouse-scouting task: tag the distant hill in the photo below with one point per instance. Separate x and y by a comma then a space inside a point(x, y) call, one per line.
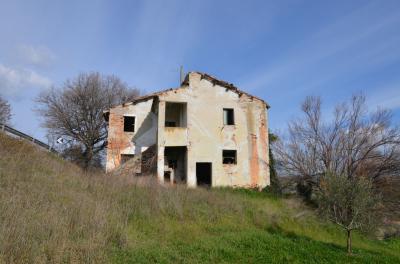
point(53, 212)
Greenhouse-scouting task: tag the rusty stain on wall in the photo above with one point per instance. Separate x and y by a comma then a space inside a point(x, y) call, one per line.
point(119, 141)
point(264, 143)
point(254, 166)
point(194, 133)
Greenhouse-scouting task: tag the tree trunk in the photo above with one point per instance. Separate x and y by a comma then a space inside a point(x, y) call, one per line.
point(88, 156)
point(349, 242)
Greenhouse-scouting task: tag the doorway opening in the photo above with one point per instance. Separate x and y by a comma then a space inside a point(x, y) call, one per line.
point(175, 164)
point(204, 173)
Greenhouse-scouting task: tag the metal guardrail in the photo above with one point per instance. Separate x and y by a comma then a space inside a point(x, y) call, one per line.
point(10, 130)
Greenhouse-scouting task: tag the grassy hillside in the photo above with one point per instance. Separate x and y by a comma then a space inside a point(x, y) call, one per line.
point(52, 212)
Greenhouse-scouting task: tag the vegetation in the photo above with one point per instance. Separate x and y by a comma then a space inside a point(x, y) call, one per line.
point(53, 212)
point(344, 161)
point(5, 111)
point(275, 186)
point(350, 203)
point(75, 113)
point(355, 143)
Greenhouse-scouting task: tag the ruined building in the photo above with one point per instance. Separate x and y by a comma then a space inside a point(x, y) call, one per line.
point(206, 132)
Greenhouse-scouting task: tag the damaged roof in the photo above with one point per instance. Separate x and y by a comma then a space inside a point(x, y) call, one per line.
point(222, 83)
point(205, 76)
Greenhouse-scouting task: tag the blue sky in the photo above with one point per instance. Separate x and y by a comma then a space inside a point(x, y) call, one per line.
point(280, 51)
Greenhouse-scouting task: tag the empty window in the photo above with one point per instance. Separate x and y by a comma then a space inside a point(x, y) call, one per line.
point(170, 124)
point(126, 157)
point(175, 114)
point(229, 118)
point(229, 156)
point(129, 123)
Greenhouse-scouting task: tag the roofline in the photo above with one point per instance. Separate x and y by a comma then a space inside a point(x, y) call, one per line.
point(230, 86)
point(206, 76)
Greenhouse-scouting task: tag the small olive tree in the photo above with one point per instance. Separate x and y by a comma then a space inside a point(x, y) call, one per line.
point(350, 203)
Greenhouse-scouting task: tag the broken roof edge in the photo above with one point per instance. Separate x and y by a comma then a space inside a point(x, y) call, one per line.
point(140, 99)
point(230, 86)
point(185, 82)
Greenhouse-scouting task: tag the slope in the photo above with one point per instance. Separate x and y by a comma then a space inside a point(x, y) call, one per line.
point(53, 212)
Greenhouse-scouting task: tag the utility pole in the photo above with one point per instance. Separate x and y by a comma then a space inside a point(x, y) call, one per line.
point(181, 75)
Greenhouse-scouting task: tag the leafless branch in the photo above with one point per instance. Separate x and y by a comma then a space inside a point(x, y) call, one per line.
point(75, 111)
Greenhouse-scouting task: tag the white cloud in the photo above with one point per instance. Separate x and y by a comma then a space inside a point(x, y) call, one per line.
point(38, 56)
point(15, 81)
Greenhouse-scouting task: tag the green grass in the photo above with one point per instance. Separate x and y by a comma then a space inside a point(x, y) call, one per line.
point(52, 212)
point(264, 230)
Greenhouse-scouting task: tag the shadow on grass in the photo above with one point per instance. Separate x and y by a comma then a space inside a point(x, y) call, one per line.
point(272, 245)
point(246, 192)
point(276, 230)
point(337, 252)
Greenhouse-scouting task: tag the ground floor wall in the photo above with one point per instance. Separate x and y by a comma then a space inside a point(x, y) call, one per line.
point(207, 138)
point(235, 175)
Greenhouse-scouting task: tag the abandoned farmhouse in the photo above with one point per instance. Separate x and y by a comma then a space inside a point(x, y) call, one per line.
point(205, 132)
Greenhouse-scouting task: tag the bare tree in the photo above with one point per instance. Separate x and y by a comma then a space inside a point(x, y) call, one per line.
point(75, 112)
point(350, 203)
point(5, 111)
point(356, 143)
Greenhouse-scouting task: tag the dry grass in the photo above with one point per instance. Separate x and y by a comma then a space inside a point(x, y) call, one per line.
point(52, 211)
point(49, 212)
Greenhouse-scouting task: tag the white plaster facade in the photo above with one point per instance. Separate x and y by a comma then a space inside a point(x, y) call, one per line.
point(187, 127)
